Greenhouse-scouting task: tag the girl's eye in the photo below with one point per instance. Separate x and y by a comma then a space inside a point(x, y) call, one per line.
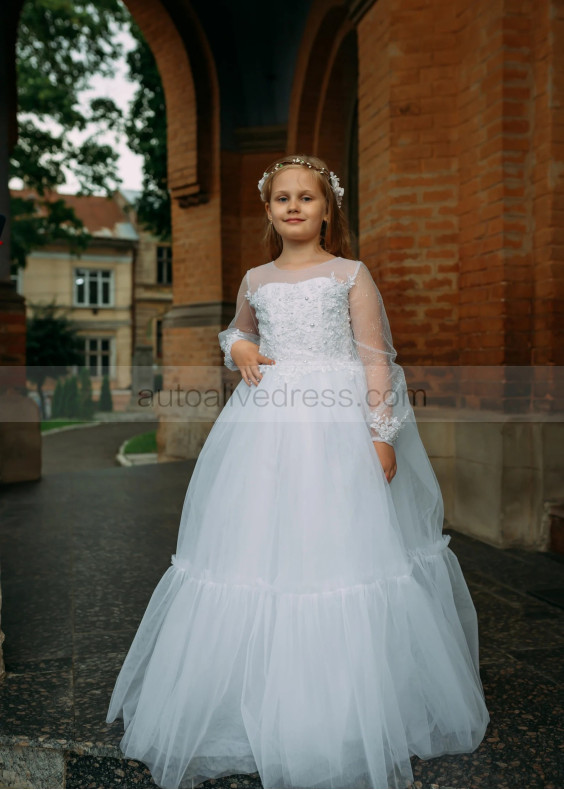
point(306, 197)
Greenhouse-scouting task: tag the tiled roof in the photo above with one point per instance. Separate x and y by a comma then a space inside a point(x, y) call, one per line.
point(102, 216)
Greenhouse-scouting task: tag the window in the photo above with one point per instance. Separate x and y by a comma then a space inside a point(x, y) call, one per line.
point(93, 287)
point(164, 265)
point(97, 352)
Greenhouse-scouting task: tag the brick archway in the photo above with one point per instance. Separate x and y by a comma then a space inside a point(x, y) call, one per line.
point(323, 110)
point(323, 30)
point(190, 86)
point(191, 90)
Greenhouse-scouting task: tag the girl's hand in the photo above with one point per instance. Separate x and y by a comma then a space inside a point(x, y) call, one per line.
point(246, 356)
point(387, 456)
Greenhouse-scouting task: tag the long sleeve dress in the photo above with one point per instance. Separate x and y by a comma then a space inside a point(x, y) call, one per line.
point(313, 625)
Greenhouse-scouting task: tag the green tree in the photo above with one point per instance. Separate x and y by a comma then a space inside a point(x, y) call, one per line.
point(146, 129)
point(61, 45)
point(105, 403)
point(51, 346)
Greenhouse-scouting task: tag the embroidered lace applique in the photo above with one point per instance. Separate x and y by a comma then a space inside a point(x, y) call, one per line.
point(386, 427)
point(316, 324)
point(305, 325)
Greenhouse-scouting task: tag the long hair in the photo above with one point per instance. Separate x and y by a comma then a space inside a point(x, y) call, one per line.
point(335, 234)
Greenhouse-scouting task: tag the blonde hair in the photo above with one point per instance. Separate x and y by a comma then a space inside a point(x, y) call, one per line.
point(336, 237)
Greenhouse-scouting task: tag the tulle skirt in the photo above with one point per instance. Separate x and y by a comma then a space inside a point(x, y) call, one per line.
point(313, 624)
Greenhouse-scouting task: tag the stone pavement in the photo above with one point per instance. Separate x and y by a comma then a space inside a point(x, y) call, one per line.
point(81, 552)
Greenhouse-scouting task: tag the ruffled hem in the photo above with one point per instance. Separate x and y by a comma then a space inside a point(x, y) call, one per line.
point(329, 688)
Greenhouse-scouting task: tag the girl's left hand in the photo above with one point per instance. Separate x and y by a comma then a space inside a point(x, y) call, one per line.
point(387, 456)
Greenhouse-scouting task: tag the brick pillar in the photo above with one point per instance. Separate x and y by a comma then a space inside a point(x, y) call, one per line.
point(547, 33)
point(511, 248)
point(190, 327)
point(408, 184)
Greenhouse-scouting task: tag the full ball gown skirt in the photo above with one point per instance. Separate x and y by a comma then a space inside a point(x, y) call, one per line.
point(313, 625)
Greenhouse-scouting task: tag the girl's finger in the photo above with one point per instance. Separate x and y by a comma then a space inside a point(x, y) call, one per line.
point(251, 372)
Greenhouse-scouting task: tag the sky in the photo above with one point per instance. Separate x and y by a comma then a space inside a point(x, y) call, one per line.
point(121, 91)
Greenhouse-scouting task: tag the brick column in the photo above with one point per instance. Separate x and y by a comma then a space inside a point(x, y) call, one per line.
point(408, 184)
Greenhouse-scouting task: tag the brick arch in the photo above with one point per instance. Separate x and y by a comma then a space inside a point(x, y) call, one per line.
point(191, 92)
point(327, 24)
point(324, 107)
point(335, 122)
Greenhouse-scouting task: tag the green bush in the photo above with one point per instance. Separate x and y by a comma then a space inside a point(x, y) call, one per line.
point(57, 400)
point(73, 398)
point(86, 404)
point(105, 403)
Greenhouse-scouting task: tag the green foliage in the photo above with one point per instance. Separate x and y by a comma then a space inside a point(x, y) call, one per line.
point(72, 400)
point(142, 443)
point(61, 45)
point(56, 402)
point(50, 425)
point(146, 130)
point(73, 397)
point(86, 405)
point(64, 408)
point(51, 346)
point(105, 403)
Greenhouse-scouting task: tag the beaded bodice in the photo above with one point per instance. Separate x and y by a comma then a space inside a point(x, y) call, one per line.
point(322, 318)
point(304, 321)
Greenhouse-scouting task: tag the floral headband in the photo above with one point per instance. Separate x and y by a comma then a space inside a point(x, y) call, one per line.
point(334, 181)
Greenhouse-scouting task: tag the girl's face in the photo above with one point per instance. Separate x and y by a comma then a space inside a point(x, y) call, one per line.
point(297, 205)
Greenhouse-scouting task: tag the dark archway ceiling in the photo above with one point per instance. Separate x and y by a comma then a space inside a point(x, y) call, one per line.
point(255, 46)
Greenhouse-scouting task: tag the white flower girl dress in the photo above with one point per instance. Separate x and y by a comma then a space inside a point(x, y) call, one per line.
point(313, 624)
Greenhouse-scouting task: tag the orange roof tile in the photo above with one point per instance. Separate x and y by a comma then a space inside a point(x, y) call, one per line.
point(101, 216)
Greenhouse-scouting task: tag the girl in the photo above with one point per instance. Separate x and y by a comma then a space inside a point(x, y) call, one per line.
point(313, 625)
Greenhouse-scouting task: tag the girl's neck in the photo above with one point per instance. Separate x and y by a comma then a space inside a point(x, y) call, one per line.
point(302, 258)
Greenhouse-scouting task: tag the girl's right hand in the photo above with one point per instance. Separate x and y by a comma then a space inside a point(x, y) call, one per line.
point(247, 357)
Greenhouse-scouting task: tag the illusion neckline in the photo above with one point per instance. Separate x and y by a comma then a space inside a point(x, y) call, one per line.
point(305, 268)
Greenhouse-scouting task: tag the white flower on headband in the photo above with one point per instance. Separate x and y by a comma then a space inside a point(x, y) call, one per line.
point(261, 182)
point(338, 190)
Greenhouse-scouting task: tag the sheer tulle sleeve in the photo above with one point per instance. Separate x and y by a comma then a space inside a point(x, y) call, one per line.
point(388, 405)
point(244, 325)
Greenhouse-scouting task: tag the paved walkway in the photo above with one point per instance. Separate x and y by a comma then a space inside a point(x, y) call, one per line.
point(92, 447)
point(82, 551)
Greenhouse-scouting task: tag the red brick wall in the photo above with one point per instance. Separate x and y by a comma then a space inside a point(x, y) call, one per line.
point(408, 171)
point(548, 180)
point(461, 179)
point(243, 216)
point(12, 338)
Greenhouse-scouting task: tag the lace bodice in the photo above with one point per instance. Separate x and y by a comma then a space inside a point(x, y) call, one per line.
point(324, 317)
point(304, 321)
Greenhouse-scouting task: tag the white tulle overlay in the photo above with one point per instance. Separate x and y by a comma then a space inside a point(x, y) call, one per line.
point(313, 625)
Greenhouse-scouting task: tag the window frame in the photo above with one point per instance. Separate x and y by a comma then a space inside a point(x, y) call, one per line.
point(99, 275)
point(160, 263)
point(111, 355)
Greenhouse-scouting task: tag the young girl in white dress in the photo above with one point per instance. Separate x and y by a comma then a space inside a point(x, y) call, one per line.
point(313, 624)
